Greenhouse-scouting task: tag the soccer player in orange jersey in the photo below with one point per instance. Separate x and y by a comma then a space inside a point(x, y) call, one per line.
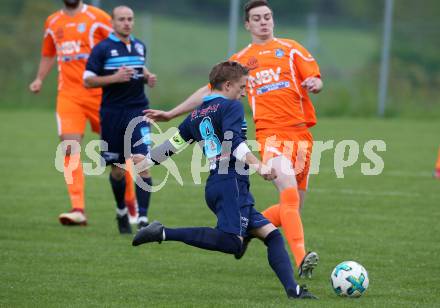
point(282, 73)
point(69, 37)
point(437, 166)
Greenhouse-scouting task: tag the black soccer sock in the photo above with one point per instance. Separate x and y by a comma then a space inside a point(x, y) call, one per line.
point(205, 238)
point(143, 196)
point(118, 188)
point(280, 262)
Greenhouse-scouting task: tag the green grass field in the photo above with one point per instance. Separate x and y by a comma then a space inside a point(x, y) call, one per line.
point(388, 223)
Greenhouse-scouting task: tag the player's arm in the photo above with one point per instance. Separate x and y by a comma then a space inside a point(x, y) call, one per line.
point(232, 120)
point(47, 61)
point(46, 64)
point(149, 78)
point(93, 76)
point(160, 153)
point(192, 102)
point(308, 69)
point(244, 154)
point(92, 80)
point(313, 84)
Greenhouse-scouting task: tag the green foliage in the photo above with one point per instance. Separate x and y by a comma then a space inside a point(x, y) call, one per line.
point(22, 32)
point(188, 40)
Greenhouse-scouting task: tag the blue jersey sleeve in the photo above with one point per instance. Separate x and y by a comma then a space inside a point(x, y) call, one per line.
point(96, 60)
point(232, 120)
point(185, 130)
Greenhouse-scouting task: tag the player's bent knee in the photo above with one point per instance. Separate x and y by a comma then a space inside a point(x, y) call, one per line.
point(117, 173)
point(264, 231)
point(230, 243)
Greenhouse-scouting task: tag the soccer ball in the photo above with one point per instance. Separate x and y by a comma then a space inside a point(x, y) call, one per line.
point(349, 279)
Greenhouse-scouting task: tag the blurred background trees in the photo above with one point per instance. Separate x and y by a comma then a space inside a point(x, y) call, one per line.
point(186, 37)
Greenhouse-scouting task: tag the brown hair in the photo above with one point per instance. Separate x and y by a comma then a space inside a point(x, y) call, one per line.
point(252, 4)
point(226, 71)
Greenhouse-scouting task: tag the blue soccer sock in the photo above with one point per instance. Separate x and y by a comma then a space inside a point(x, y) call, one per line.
point(205, 238)
point(280, 263)
point(143, 196)
point(118, 187)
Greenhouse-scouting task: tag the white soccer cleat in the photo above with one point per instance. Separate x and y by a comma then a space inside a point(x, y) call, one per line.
point(73, 218)
point(133, 219)
point(308, 264)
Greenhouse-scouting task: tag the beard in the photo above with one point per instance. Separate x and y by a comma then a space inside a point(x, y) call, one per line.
point(71, 4)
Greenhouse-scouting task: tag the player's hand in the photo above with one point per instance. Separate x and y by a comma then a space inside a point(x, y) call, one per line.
point(123, 74)
point(141, 163)
point(157, 115)
point(36, 85)
point(152, 79)
point(312, 84)
point(268, 173)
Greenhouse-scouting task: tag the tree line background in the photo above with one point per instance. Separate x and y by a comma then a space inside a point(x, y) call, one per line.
point(351, 88)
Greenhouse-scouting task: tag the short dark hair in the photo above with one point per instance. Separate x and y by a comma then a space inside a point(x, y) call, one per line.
point(226, 71)
point(112, 14)
point(252, 4)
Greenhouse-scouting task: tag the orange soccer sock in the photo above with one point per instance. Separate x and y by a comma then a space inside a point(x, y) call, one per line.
point(273, 215)
point(291, 222)
point(74, 177)
point(437, 166)
point(130, 195)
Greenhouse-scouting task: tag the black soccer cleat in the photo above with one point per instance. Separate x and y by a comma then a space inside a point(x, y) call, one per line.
point(304, 293)
point(151, 233)
point(244, 247)
point(142, 224)
point(123, 224)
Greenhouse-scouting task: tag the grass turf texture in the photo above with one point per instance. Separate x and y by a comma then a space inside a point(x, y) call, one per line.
point(388, 223)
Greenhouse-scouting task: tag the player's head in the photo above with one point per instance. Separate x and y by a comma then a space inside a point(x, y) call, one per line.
point(259, 19)
point(72, 4)
point(229, 78)
point(123, 20)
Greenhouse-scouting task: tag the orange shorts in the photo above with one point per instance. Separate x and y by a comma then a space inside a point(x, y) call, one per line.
point(294, 143)
point(73, 113)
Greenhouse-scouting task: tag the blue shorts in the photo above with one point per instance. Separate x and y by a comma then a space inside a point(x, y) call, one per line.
point(123, 136)
point(233, 204)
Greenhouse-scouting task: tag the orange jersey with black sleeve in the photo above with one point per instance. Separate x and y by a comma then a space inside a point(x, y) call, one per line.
point(71, 39)
point(274, 90)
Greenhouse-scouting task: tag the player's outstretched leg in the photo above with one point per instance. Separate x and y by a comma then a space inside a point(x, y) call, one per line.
point(153, 232)
point(280, 263)
point(244, 247)
point(200, 237)
point(437, 167)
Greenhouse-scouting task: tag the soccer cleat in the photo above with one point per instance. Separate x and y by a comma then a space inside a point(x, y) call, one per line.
point(437, 174)
point(244, 247)
point(151, 233)
point(142, 222)
point(303, 293)
point(308, 264)
point(123, 224)
point(73, 218)
point(132, 211)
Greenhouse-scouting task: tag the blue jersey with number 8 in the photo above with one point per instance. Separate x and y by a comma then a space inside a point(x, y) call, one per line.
point(219, 127)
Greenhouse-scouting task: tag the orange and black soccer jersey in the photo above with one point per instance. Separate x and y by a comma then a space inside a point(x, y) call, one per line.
point(71, 39)
point(277, 70)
